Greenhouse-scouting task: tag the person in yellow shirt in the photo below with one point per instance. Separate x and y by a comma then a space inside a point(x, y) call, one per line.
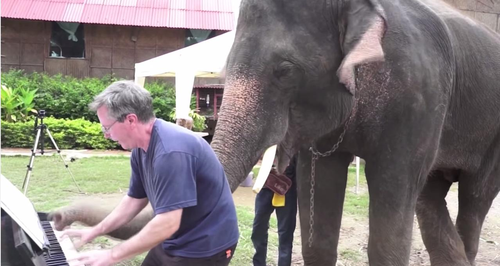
point(286, 221)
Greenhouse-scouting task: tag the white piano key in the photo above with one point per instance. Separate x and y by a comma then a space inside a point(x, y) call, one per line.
point(67, 246)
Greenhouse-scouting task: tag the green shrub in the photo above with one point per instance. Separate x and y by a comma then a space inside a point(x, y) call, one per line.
point(199, 123)
point(164, 99)
point(68, 97)
point(60, 96)
point(68, 134)
point(17, 104)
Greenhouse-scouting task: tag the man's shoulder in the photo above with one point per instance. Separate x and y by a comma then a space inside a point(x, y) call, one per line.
point(166, 129)
point(163, 125)
point(173, 138)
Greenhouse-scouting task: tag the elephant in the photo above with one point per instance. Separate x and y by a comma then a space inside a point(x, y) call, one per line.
point(410, 86)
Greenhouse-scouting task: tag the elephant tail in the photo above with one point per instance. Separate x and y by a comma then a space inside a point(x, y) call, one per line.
point(91, 214)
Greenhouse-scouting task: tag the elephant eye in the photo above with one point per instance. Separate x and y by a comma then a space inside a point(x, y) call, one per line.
point(283, 70)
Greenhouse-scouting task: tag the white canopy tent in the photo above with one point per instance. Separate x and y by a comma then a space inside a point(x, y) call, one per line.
point(205, 59)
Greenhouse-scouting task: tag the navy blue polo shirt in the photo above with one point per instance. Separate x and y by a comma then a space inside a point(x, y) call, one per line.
point(180, 170)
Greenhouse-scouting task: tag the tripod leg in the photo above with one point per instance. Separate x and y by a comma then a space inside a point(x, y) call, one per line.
point(32, 160)
point(42, 138)
point(62, 159)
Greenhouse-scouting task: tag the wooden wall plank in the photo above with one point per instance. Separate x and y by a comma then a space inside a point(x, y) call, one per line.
point(78, 68)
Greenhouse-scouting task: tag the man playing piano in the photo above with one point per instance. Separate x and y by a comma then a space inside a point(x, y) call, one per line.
point(178, 173)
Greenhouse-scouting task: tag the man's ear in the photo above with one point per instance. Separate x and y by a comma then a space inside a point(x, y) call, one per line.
point(362, 26)
point(130, 118)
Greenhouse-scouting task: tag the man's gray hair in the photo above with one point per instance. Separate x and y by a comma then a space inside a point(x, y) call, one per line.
point(125, 97)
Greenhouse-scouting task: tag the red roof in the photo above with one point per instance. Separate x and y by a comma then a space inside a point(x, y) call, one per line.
point(210, 86)
point(188, 14)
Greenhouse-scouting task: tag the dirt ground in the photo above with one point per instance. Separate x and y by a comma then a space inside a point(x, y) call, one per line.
point(354, 233)
point(354, 236)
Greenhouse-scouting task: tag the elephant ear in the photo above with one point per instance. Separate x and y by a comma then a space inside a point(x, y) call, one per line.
point(362, 25)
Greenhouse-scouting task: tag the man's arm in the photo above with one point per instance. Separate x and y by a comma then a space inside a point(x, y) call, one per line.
point(160, 228)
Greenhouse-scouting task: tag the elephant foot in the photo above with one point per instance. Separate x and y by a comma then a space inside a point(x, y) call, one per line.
point(451, 263)
point(318, 262)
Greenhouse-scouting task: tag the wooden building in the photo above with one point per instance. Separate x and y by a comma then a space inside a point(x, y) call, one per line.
point(93, 38)
point(208, 102)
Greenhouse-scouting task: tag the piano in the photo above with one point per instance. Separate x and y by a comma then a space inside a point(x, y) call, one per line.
point(28, 238)
point(18, 248)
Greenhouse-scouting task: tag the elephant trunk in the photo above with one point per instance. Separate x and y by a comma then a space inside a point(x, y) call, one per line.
point(240, 139)
point(90, 214)
point(234, 151)
point(234, 165)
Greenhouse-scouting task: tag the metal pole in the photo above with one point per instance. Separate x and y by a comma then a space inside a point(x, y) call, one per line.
point(62, 159)
point(32, 160)
point(357, 174)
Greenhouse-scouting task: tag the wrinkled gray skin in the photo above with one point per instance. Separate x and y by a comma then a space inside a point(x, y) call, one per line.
point(419, 83)
point(89, 214)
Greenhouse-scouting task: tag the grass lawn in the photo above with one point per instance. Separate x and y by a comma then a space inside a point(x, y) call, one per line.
point(356, 204)
point(51, 187)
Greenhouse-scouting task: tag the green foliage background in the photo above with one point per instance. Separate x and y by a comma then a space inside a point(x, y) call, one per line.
point(67, 133)
point(68, 97)
point(65, 100)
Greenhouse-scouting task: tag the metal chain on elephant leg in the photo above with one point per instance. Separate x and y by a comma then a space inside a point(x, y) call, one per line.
point(311, 208)
point(315, 156)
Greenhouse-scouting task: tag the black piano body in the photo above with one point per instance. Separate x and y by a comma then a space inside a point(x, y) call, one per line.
point(19, 250)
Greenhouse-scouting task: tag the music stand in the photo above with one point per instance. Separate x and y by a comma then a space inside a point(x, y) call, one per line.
point(40, 136)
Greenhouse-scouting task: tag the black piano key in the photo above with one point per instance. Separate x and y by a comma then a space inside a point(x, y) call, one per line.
point(56, 260)
point(55, 256)
point(57, 263)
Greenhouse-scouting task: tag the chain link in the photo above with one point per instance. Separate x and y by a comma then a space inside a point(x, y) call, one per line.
point(311, 206)
point(315, 156)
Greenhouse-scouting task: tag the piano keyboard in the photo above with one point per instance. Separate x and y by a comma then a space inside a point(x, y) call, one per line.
point(55, 256)
point(17, 247)
point(60, 248)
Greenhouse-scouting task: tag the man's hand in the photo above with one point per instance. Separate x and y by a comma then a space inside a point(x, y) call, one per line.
point(94, 258)
point(85, 235)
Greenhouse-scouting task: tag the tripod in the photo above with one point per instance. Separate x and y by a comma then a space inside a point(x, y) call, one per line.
point(40, 137)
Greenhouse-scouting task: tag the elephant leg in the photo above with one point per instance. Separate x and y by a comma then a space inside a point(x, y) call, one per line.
point(438, 232)
point(394, 187)
point(329, 192)
point(476, 194)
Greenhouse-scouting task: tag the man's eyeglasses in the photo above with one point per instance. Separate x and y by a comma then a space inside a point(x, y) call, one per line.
point(105, 130)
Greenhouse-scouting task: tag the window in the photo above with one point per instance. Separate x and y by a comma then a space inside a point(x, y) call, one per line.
point(196, 36)
point(67, 40)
